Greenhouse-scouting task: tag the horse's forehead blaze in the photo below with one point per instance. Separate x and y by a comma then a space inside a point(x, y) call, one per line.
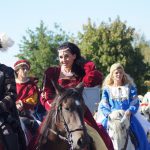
point(72, 100)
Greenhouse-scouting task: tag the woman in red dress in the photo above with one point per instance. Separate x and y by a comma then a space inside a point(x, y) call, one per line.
point(72, 70)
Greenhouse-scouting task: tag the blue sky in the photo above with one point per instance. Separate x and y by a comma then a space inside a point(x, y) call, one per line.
point(17, 16)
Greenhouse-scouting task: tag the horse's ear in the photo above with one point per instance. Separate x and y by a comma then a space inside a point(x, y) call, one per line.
point(58, 88)
point(80, 87)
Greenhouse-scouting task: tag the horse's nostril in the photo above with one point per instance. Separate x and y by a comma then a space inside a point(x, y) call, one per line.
point(81, 142)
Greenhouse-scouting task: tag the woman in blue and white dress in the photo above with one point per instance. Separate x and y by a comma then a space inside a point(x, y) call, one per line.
point(119, 92)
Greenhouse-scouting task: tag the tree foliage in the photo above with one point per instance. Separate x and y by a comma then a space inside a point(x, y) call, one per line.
point(145, 48)
point(113, 42)
point(39, 47)
point(104, 44)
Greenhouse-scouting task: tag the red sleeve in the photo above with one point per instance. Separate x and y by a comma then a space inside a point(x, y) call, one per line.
point(92, 76)
point(48, 89)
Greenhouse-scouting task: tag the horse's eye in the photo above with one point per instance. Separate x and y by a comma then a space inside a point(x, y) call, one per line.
point(123, 127)
point(67, 109)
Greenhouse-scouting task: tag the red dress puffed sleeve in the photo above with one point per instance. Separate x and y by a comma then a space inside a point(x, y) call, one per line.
point(92, 77)
point(48, 94)
point(28, 93)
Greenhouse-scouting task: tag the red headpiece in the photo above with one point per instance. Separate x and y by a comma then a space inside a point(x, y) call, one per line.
point(20, 63)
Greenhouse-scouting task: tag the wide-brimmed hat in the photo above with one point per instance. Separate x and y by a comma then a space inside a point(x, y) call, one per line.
point(20, 63)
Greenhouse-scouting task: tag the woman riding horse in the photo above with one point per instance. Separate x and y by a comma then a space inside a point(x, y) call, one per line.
point(73, 69)
point(119, 92)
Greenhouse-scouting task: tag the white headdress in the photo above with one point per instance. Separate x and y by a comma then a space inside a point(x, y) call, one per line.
point(5, 42)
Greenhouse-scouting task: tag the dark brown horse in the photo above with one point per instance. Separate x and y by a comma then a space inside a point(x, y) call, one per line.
point(64, 127)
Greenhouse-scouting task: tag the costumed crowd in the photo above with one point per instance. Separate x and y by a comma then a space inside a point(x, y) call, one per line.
point(23, 106)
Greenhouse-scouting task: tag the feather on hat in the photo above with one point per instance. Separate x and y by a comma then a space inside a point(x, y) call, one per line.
point(5, 42)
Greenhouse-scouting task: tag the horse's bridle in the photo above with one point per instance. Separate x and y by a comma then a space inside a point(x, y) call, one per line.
point(69, 132)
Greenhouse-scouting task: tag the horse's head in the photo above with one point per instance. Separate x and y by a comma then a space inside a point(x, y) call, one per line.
point(118, 129)
point(67, 117)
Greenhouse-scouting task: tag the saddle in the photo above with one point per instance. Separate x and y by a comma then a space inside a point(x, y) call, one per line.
point(29, 121)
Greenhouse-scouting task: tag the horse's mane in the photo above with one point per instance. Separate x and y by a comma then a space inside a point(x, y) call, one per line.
point(116, 118)
point(117, 114)
point(50, 117)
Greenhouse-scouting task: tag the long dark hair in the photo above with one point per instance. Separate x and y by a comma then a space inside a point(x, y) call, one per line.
point(77, 67)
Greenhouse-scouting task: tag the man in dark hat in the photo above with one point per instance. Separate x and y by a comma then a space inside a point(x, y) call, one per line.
point(12, 136)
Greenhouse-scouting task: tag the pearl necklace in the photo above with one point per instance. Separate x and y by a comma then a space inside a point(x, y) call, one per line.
point(67, 74)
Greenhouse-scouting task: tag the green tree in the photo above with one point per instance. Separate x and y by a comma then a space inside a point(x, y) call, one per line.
point(144, 47)
point(39, 47)
point(113, 42)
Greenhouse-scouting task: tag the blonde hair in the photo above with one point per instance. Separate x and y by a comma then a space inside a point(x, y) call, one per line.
point(147, 83)
point(109, 78)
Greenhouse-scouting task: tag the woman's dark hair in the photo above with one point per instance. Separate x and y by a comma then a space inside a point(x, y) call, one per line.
point(77, 67)
point(74, 49)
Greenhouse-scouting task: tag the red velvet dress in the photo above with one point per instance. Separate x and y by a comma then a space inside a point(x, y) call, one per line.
point(92, 78)
point(28, 93)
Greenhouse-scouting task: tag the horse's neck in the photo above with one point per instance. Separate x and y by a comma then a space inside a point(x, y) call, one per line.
point(55, 145)
point(130, 145)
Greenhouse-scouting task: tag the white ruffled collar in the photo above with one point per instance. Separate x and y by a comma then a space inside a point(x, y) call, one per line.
point(119, 92)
